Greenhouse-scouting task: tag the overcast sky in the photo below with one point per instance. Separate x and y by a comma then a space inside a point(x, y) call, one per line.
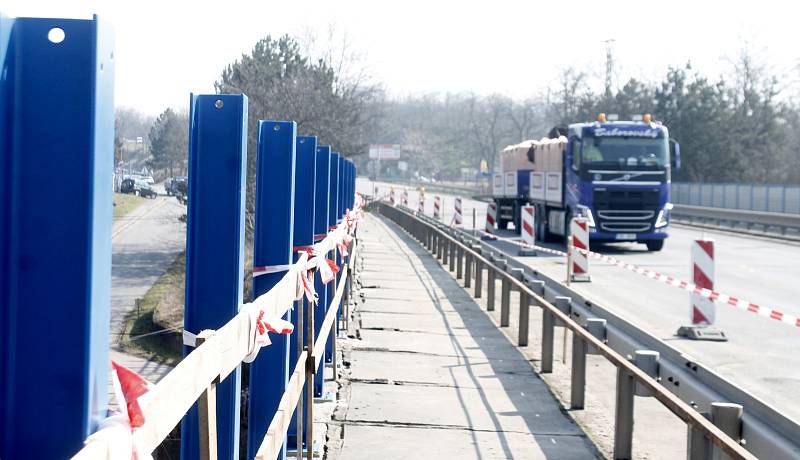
point(167, 49)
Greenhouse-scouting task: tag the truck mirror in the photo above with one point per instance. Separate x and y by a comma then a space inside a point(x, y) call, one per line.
point(675, 154)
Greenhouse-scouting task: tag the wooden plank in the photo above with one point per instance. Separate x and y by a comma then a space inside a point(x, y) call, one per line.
point(279, 426)
point(327, 323)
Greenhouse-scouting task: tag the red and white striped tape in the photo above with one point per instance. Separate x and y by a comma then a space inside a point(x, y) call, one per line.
point(491, 216)
point(735, 302)
point(458, 217)
point(528, 221)
point(437, 207)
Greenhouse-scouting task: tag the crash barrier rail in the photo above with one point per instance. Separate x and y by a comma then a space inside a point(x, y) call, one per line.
point(645, 364)
point(736, 218)
point(746, 197)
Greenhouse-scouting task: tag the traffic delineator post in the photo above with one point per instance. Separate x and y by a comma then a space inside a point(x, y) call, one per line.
point(437, 207)
point(421, 208)
point(528, 230)
point(491, 216)
point(391, 196)
point(703, 308)
point(404, 198)
point(579, 248)
point(458, 216)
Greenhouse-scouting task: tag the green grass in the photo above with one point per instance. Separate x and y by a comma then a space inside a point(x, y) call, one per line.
point(125, 203)
point(161, 308)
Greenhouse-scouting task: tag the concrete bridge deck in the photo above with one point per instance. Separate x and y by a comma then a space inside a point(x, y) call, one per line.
point(428, 374)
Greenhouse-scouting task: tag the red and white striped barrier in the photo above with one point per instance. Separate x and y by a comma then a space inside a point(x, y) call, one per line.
point(437, 208)
point(579, 230)
point(391, 196)
point(528, 221)
point(404, 198)
point(703, 308)
point(735, 302)
point(422, 203)
point(491, 216)
point(458, 216)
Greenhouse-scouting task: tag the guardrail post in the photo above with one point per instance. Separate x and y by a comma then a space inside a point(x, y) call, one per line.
point(536, 286)
point(505, 297)
point(446, 251)
point(548, 335)
point(596, 327)
point(578, 383)
point(623, 426)
point(321, 209)
point(478, 273)
point(275, 169)
point(468, 270)
point(215, 247)
point(459, 262)
point(728, 418)
point(452, 257)
point(647, 361)
point(491, 276)
point(563, 304)
point(302, 237)
point(56, 145)
point(440, 242)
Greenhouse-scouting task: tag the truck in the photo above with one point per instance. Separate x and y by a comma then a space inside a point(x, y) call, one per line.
point(615, 174)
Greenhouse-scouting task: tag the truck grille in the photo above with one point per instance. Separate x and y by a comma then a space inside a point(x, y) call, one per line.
point(628, 211)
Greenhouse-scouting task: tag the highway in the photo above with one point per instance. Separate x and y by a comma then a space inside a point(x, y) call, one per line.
point(761, 354)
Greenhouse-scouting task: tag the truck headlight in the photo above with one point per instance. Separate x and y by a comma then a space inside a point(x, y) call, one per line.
point(663, 216)
point(585, 212)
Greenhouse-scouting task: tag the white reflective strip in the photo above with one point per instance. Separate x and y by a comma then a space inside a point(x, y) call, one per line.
point(189, 339)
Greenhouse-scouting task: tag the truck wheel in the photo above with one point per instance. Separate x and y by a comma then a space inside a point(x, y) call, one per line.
point(654, 245)
point(502, 224)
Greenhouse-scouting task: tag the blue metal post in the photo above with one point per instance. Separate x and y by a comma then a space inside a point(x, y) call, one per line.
point(322, 191)
point(304, 182)
point(56, 165)
point(275, 169)
point(333, 213)
point(215, 247)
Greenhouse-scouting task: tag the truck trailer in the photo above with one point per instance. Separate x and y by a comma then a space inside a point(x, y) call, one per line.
point(616, 174)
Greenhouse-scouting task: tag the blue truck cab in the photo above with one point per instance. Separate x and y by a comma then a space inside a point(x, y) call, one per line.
point(616, 174)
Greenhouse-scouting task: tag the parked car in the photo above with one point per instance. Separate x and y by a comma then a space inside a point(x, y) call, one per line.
point(146, 190)
point(128, 186)
point(177, 186)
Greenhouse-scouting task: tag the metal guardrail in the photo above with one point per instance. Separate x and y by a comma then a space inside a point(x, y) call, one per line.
point(737, 218)
point(685, 387)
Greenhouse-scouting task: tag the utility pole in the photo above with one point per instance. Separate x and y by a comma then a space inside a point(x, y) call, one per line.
point(609, 65)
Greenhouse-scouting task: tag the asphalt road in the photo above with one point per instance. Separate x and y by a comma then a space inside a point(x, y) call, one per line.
point(761, 354)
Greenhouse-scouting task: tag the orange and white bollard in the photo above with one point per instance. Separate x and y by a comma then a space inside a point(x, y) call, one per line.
point(579, 249)
point(458, 216)
point(528, 230)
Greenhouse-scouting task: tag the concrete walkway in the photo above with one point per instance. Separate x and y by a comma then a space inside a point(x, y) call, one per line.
point(431, 376)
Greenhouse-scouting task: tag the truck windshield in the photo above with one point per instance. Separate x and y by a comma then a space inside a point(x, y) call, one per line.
point(626, 151)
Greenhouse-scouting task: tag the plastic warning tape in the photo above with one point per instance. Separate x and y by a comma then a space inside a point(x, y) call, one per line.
point(735, 302)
